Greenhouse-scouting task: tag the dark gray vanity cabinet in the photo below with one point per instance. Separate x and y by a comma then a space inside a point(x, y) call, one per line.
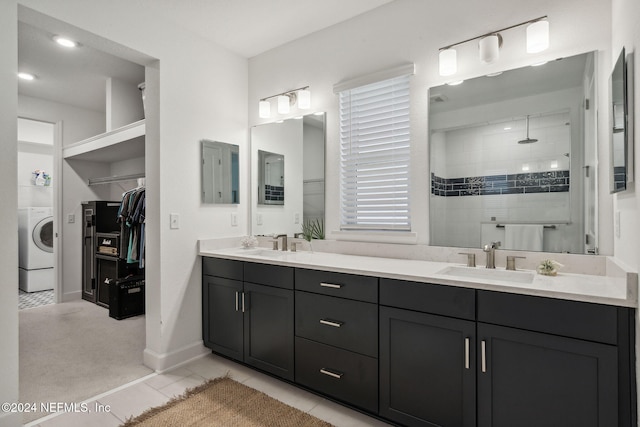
point(427, 360)
point(548, 362)
point(248, 315)
point(337, 336)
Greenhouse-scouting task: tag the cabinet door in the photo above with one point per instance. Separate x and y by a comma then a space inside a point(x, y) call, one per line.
point(427, 369)
point(533, 379)
point(268, 329)
point(222, 315)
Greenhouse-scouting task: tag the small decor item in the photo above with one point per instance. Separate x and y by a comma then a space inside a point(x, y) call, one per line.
point(248, 242)
point(313, 229)
point(548, 267)
point(41, 178)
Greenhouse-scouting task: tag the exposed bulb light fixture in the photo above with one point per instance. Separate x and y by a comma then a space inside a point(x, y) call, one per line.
point(537, 36)
point(285, 100)
point(63, 41)
point(26, 76)
point(490, 43)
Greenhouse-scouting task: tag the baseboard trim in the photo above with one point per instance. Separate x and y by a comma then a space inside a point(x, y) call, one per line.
point(162, 362)
point(71, 296)
point(10, 419)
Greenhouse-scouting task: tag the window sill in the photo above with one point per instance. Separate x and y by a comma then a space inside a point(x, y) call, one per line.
point(402, 237)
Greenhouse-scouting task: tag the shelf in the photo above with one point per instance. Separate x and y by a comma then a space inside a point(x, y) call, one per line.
point(117, 178)
point(123, 143)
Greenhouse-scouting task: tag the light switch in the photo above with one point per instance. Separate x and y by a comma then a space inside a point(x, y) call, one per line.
point(234, 219)
point(174, 221)
point(259, 219)
point(71, 218)
point(296, 218)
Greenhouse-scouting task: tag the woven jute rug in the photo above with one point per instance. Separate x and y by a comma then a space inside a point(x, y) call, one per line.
point(224, 402)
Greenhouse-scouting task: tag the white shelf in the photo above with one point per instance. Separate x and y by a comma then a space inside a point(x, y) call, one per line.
point(123, 143)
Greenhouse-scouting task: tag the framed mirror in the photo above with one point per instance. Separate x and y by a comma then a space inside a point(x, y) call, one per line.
point(621, 151)
point(512, 159)
point(220, 172)
point(300, 142)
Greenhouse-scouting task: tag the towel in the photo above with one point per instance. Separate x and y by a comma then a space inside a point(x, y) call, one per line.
point(523, 237)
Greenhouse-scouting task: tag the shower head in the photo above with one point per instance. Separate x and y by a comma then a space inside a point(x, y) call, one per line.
point(527, 140)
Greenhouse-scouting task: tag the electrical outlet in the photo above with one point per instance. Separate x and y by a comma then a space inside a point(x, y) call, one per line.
point(234, 219)
point(296, 218)
point(174, 221)
point(259, 219)
point(71, 218)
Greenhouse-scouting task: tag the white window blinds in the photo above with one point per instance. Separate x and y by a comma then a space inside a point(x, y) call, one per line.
point(375, 154)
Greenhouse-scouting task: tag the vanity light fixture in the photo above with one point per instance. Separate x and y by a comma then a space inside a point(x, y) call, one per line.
point(490, 43)
point(285, 101)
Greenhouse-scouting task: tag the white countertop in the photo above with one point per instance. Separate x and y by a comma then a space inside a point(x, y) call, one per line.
point(619, 291)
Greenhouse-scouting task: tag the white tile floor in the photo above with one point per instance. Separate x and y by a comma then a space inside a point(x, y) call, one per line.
point(132, 399)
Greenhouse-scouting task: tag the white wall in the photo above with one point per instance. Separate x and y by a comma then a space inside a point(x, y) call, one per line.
point(413, 31)
point(196, 90)
point(8, 211)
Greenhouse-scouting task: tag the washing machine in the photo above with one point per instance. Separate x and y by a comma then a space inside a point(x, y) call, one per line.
point(35, 254)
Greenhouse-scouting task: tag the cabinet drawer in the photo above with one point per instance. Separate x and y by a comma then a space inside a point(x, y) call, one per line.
point(429, 298)
point(348, 324)
point(574, 319)
point(227, 268)
point(362, 288)
point(347, 376)
point(271, 275)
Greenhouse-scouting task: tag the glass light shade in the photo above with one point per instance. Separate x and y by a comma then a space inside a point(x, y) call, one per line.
point(264, 109)
point(538, 36)
point(304, 99)
point(448, 62)
point(489, 48)
point(283, 104)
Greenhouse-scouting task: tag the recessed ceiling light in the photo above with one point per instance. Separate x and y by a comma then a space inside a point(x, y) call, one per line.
point(456, 83)
point(318, 113)
point(494, 74)
point(26, 76)
point(507, 128)
point(63, 41)
point(537, 64)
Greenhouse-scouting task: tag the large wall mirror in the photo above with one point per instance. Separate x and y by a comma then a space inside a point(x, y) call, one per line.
point(513, 159)
point(287, 159)
point(220, 172)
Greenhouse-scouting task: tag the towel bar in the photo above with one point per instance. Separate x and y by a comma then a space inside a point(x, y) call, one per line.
point(553, 227)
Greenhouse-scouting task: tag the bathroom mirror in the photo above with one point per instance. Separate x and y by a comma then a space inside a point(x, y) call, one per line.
point(220, 172)
point(300, 142)
point(512, 159)
point(270, 178)
point(621, 152)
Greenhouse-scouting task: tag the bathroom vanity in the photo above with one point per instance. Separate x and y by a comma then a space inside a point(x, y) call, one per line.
point(417, 345)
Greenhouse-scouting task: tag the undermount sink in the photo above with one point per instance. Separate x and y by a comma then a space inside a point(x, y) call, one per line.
point(488, 274)
point(267, 253)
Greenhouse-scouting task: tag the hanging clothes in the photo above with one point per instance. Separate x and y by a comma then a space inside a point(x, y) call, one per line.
point(131, 219)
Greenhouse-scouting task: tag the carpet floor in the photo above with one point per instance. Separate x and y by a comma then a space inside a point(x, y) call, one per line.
point(223, 402)
point(72, 351)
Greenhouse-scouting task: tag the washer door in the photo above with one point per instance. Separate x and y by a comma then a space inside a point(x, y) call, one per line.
point(43, 235)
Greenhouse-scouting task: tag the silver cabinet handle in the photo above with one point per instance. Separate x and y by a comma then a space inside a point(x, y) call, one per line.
point(337, 375)
point(243, 302)
point(483, 346)
point(330, 285)
point(334, 323)
point(466, 353)
point(236, 300)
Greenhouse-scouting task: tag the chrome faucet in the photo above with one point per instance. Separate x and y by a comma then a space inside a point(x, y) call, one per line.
point(490, 249)
point(284, 241)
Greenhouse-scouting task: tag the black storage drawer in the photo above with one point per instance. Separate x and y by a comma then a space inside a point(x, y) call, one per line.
point(429, 298)
point(594, 322)
point(344, 323)
point(362, 288)
point(267, 274)
point(338, 373)
point(227, 268)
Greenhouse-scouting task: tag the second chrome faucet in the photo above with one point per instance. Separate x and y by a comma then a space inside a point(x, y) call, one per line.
point(490, 250)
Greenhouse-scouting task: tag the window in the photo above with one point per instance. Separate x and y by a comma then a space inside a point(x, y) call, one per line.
point(375, 155)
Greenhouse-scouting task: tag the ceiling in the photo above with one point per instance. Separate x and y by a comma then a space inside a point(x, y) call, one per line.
point(248, 27)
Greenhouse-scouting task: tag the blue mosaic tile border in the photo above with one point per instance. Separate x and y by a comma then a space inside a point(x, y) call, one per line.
point(521, 183)
point(273, 192)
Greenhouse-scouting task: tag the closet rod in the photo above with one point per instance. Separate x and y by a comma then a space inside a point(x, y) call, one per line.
point(111, 179)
